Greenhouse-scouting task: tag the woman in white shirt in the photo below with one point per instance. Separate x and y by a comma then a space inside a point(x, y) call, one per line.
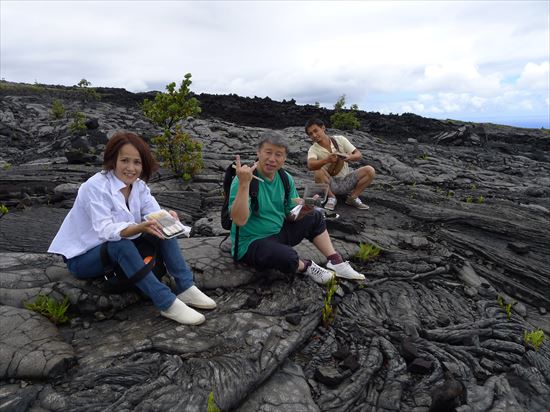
point(110, 207)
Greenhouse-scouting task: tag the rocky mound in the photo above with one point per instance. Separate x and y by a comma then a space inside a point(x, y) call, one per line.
point(460, 212)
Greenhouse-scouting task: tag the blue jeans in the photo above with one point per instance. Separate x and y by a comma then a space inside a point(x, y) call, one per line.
point(126, 255)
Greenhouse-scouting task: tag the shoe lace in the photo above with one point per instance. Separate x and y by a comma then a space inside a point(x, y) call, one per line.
point(316, 271)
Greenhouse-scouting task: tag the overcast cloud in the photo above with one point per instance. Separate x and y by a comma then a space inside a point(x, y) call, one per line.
point(479, 61)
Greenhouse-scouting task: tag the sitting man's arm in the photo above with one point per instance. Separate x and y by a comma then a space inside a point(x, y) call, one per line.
point(316, 164)
point(354, 156)
point(348, 148)
point(240, 210)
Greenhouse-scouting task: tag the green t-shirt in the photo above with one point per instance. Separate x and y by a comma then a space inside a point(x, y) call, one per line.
point(271, 211)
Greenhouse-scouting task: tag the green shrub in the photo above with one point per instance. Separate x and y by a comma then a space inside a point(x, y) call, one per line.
point(3, 210)
point(534, 338)
point(170, 107)
point(181, 152)
point(344, 120)
point(329, 312)
point(84, 83)
point(469, 199)
point(78, 124)
point(480, 199)
point(175, 147)
point(367, 252)
point(58, 110)
point(51, 308)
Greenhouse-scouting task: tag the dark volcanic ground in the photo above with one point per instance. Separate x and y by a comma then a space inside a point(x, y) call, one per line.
point(459, 210)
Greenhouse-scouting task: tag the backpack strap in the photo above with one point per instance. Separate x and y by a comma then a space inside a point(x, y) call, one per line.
point(286, 184)
point(122, 281)
point(253, 193)
point(334, 168)
point(254, 205)
point(106, 260)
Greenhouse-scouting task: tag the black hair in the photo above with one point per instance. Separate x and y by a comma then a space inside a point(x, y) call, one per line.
point(314, 121)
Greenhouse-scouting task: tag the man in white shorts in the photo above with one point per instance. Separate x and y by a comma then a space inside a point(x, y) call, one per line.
point(328, 158)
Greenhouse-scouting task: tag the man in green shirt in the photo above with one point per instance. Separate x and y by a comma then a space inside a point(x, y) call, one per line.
point(266, 236)
point(328, 158)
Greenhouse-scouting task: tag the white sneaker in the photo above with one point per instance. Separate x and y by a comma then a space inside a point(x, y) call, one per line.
point(331, 203)
point(344, 270)
point(194, 297)
point(183, 314)
point(356, 202)
point(319, 274)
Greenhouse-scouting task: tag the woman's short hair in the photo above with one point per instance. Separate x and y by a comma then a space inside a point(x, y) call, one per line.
point(110, 156)
point(275, 138)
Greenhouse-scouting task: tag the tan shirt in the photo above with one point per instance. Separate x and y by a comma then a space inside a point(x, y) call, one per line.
point(318, 152)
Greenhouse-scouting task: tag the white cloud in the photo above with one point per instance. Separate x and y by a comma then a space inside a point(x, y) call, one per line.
point(458, 76)
point(535, 76)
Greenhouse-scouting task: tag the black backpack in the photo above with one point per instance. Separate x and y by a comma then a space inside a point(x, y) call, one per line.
point(253, 193)
point(118, 280)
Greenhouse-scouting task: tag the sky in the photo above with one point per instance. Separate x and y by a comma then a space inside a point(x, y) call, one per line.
point(480, 61)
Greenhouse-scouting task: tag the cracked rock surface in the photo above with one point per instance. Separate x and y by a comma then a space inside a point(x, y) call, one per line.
point(459, 211)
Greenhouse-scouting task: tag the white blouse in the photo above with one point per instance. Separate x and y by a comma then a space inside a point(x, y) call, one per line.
point(100, 213)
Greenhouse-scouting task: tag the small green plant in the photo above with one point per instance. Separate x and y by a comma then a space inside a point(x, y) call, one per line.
point(78, 124)
point(367, 252)
point(181, 152)
point(3, 210)
point(506, 306)
point(175, 147)
point(212, 407)
point(480, 199)
point(344, 120)
point(58, 110)
point(7, 166)
point(534, 338)
point(450, 194)
point(469, 199)
point(423, 156)
point(51, 308)
point(329, 312)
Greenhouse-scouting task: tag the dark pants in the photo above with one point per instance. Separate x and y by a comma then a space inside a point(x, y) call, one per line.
point(276, 252)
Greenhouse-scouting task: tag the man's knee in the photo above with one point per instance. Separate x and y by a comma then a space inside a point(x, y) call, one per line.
point(368, 171)
point(321, 176)
point(283, 259)
point(317, 224)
